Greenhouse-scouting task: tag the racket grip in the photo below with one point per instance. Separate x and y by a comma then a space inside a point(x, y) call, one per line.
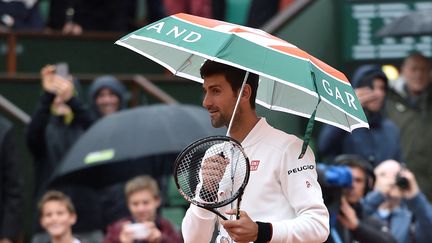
point(237, 213)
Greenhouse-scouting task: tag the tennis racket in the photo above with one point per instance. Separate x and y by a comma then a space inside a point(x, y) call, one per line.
point(212, 172)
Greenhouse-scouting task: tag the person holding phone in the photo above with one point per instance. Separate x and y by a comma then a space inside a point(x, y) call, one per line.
point(144, 224)
point(58, 120)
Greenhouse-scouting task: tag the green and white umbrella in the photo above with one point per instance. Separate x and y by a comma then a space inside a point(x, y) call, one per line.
point(291, 80)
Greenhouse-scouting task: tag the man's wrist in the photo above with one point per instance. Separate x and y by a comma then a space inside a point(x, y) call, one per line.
point(265, 232)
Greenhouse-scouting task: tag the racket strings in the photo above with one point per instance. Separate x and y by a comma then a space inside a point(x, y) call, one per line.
point(212, 172)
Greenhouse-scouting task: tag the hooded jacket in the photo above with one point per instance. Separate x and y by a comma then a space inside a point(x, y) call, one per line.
point(380, 142)
point(112, 83)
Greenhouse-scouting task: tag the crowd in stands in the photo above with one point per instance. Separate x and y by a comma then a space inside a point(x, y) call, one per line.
point(76, 16)
point(389, 200)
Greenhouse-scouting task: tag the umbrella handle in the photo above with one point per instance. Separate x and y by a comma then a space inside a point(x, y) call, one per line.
point(237, 103)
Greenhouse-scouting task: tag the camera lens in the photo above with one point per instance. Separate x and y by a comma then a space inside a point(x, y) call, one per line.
point(402, 182)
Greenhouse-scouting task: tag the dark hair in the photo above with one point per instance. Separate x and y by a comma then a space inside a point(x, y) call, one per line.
point(357, 161)
point(233, 75)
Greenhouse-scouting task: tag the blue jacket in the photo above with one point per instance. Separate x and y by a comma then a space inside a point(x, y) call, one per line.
point(379, 143)
point(416, 212)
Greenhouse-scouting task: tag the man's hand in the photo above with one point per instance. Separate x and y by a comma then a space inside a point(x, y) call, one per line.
point(365, 95)
point(5, 240)
point(47, 76)
point(155, 235)
point(126, 234)
point(347, 217)
point(64, 88)
point(241, 230)
point(213, 169)
point(413, 188)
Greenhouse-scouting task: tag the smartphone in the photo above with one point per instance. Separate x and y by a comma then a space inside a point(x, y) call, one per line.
point(62, 69)
point(140, 231)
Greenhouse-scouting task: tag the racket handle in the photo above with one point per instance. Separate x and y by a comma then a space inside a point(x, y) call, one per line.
point(238, 214)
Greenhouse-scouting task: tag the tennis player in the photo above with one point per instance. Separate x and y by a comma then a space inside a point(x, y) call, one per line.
point(282, 201)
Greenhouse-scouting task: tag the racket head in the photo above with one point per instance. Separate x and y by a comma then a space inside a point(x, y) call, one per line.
point(189, 173)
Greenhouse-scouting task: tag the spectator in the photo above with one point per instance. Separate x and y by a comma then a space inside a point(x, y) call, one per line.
point(143, 200)
point(11, 185)
point(76, 16)
point(57, 215)
point(262, 11)
point(381, 141)
point(202, 8)
point(400, 204)
point(59, 119)
point(286, 207)
point(409, 105)
point(20, 15)
point(107, 96)
point(352, 223)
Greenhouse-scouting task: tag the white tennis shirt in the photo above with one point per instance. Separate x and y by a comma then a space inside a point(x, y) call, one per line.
point(282, 190)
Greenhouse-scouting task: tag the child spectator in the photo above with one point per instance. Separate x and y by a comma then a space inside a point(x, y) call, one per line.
point(57, 215)
point(143, 200)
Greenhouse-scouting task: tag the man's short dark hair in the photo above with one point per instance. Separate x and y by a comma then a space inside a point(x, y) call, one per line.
point(233, 75)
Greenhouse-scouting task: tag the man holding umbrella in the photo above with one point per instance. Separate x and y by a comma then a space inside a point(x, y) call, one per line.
point(281, 203)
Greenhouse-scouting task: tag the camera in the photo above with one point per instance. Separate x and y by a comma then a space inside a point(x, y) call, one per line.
point(402, 182)
point(140, 231)
point(332, 179)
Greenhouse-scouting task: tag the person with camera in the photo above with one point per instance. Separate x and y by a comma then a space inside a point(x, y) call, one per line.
point(352, 224)
point(58, 121)
point(144, 223)
point(398, 202)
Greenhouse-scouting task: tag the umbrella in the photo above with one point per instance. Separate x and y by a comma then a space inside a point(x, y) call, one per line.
point(143, 140)
point(291, 80)
point(411, 24)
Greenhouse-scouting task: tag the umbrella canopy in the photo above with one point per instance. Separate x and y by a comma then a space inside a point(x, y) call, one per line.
point(291, 80)
point(143, 140)
point(412, 24)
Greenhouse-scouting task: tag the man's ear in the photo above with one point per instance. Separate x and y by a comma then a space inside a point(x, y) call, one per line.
point(247, 91)
point(73, 218)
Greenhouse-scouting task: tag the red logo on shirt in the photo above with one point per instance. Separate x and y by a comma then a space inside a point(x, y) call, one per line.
point(254, 165)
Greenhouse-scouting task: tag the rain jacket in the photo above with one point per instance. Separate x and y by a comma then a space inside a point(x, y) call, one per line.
point(380, 142)
point(49, 139)
point(112, 83)
point(282, 190)
point(11, 184)
point(414, 118)
point(410, 222)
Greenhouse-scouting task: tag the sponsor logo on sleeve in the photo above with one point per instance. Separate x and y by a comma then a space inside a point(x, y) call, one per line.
point(301, 168)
